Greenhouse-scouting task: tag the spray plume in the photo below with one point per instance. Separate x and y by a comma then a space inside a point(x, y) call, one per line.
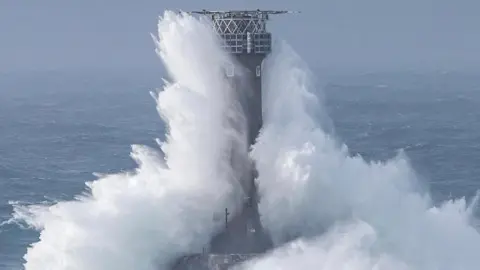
point(165, 208)
point(340, 211)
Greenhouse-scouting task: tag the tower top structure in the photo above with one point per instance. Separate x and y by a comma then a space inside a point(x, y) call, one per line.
point(243, 31)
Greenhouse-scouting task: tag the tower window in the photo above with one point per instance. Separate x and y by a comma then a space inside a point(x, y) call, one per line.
point(230, 70)
point(258, 70)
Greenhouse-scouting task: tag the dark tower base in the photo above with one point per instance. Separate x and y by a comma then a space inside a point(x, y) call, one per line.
point(243, 237)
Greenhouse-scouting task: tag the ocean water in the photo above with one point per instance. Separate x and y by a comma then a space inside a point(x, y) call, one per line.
point(433, 117)
point(58, 128)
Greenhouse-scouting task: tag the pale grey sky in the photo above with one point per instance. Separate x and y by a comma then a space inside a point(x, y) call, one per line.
point(344, 34)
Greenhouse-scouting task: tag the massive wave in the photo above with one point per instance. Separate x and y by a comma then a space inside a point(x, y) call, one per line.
point(345, 213)
point(324, 208)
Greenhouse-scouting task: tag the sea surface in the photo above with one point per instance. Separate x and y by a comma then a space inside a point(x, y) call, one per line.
point(58, 128)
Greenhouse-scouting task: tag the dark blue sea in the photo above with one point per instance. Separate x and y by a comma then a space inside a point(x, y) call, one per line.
point(58, 128)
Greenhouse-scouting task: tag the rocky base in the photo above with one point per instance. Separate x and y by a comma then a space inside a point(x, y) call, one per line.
point(211, 261)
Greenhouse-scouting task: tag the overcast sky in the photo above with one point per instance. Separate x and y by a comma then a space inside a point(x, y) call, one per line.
point(345, 34)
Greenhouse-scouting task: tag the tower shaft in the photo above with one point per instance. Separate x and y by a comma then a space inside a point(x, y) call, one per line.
point(244, 35)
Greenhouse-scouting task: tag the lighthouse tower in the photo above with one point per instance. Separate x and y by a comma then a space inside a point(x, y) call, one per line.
point(244, 35)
